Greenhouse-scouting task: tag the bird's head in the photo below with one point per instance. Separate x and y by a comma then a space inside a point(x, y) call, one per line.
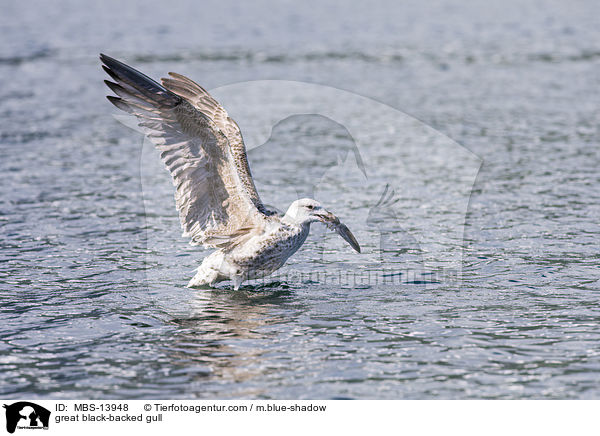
point(307, 210)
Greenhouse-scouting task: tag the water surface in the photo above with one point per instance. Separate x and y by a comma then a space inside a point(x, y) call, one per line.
point(85, 314)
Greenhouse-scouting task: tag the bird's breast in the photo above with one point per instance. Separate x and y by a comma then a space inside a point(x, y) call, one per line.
point(269, 251)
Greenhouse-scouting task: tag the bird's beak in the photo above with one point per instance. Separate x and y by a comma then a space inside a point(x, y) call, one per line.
point(334, 223)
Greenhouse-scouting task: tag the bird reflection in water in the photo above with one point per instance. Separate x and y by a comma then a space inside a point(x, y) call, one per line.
point(215, 341)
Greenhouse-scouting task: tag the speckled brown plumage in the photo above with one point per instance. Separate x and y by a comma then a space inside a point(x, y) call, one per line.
point(215, 195)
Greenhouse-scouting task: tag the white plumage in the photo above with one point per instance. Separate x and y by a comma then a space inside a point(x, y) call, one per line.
point(215, 195)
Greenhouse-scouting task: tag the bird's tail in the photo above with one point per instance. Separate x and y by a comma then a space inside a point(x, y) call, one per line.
point(209, 272)
point(205, 276)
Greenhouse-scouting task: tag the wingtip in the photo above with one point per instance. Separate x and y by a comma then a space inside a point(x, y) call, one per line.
point(111, 62)
point(119, 103)
point(121, 72)
point(105, 58)
point(110, 72)
point(114, 87)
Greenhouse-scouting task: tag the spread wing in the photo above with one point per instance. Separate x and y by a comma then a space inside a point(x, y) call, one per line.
point(202, 148)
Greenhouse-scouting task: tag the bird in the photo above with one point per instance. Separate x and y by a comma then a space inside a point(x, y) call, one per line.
point(215, 195)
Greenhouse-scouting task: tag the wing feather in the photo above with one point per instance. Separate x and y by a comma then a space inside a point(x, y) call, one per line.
point(201, 147)
point(207, 105)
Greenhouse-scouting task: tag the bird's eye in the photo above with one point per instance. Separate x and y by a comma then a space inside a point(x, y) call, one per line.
point(310, 207)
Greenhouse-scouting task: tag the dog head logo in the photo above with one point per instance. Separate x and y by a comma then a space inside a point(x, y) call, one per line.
point(26, 415)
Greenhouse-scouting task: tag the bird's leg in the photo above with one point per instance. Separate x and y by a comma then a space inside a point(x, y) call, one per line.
point(237, 281)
